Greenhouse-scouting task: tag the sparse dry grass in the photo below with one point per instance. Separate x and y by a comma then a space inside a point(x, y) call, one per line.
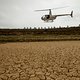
point(58, 60)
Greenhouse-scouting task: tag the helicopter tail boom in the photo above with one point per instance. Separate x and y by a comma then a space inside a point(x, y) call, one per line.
point(66, 14)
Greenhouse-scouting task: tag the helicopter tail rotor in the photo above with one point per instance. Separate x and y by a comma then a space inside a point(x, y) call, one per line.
point(71, 14)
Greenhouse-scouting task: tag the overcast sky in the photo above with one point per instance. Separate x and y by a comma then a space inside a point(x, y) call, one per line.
point(20, 13)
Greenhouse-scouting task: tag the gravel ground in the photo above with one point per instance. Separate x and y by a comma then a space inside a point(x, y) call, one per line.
point(58, 60)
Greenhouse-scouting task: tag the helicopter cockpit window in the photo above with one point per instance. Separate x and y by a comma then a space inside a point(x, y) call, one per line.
point(44, 16)
point(47, 16)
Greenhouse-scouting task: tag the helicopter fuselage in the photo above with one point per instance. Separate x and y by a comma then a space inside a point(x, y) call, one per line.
point(48, 17)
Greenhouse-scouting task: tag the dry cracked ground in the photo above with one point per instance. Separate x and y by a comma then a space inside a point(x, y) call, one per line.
point(58, 60)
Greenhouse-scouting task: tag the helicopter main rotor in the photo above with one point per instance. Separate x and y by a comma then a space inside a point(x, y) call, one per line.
point(51, 9)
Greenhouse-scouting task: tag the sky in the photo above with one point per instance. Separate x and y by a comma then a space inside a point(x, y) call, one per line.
point(21, 13)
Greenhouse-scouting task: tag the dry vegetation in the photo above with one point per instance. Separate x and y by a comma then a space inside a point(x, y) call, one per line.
point(58, 60)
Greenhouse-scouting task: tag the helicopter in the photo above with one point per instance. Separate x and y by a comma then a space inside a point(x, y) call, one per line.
point(50, 18)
